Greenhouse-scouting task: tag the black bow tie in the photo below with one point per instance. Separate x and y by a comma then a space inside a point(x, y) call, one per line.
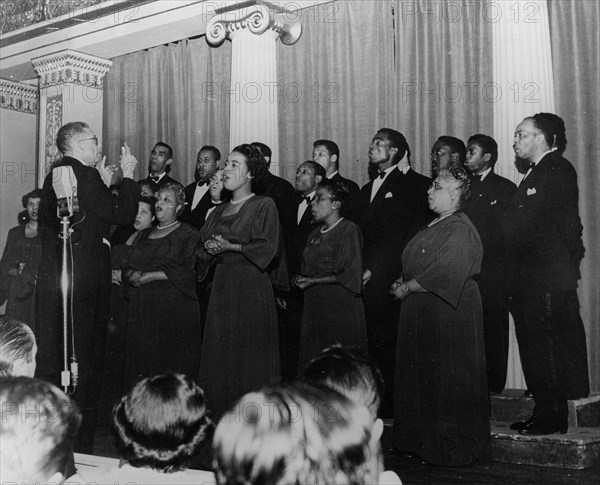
point(381, 175)
point(155, 178)
point(530, 165)
point(305, 198)
point(201, 183)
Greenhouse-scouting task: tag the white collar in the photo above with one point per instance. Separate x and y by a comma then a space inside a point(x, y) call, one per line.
point(484, 174)
point(333, 174)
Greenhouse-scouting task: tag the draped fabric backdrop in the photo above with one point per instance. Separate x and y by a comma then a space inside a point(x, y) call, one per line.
point(576, 66)
point(174, 93)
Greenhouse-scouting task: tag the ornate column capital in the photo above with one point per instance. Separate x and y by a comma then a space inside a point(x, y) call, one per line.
point(257, 17)
point(70, 66)
point(18, 96)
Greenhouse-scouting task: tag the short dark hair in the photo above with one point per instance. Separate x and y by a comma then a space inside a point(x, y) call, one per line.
point(397, 140)
point(487, 144)
point(317, 169)
point(34, 194)
point(349, 371)
point(331, 147)
point(44, 437)
point(16, 342)
point(256, 163)
point(161, 423)
point(553, 128)
point(264, 150)
point(456, 145)
point(215, 151)
point(339, 191)
point(168, 147)
point(151, 201)
point(67, 133)
point(148, 183)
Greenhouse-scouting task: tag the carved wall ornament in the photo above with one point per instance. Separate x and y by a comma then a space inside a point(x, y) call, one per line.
point(18, 96)
point(71, 67)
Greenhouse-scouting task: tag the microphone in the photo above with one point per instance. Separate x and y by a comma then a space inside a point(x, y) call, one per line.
point(64, 184)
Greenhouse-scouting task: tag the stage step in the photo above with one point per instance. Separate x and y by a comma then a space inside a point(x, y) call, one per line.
point(512, 406)
point(577, 449)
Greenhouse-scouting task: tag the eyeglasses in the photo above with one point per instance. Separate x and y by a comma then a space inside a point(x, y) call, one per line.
point(95, 138)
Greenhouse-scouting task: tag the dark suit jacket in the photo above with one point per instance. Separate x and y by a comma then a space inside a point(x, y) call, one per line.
point(489, 198)
point(197, 216)
point(283, 194)
point(351, 211)
point(157, 185)
point(397, 212)
point(543, 230)
point(299, 238)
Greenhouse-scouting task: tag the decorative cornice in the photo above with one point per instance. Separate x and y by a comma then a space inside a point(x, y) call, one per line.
point(257, 17)
point(18, 96)
point(71, 67)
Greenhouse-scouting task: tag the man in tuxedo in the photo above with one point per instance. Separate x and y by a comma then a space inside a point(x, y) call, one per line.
point(543, 234)
point(490, 194)
point(327, 154)
point(447, 151)
point(391, 209)
point(308, 175)
point(197, 195)
point(159, 165)
point(90, 256)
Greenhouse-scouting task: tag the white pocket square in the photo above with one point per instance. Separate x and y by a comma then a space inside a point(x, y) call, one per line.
point(389, 195)
point(493, 202)
point(531, 191)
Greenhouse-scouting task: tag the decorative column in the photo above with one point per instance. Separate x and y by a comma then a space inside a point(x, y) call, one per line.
point(253, 31)
point(523, 84)
point(70, 90)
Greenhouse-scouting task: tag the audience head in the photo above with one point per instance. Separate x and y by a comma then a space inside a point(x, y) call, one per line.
point(449, 191)
point(37, 431)
point(387, 148)
point(146, 213)
point(207, 163)
point(77, 140)
point(482, 153)
point(170, 201)
point(18, 348)
point(350, 372)
point(161, 423)
point(308, 175)
point(215, 187)
point(264, 150)
point(447, 152)
point(161, 158)
point(147, 188)
point(331, 197)
point(294, 433)
point(245, 165)
point(326, 153)
point(31, 204)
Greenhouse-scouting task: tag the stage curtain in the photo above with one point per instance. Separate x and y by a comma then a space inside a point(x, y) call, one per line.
point(443, 73)
point(174, 93)
point(575, 43)
point(336, 83)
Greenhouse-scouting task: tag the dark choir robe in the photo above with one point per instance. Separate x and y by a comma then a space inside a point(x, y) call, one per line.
point(488, 198)
point(397, 212)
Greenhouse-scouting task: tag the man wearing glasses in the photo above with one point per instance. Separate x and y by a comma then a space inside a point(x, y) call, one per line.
point(91, 275)
point(543, 235)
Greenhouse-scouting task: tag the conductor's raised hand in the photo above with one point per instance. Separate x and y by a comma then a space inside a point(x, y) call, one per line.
point(127, 161)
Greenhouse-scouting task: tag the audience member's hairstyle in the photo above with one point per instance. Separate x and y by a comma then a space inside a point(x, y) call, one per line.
point(69, 133)
point(178, 190)
point(398, 141)
point(331, 147)
point(350, 372)
point(295, 434)
point(151, 201)
point(456, 146)
point(487, 145)
point(168, 147)
point(256, 163)
point(16, 342)
point(338, 191)
point(215, 151)
point(161, 423)
point(316, 168)
point(146, 183)
point(264, 150)
point(38, 428)
point(553, 128)
point(458, 176)
point(34, 194)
